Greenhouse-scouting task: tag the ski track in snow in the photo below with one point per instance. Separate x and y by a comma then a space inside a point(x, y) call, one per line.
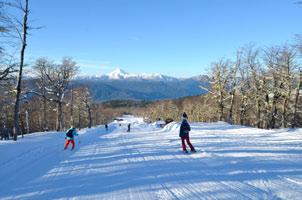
point(232, 162)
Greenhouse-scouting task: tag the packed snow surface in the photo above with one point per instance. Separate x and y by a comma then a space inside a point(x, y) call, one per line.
point(232, 162)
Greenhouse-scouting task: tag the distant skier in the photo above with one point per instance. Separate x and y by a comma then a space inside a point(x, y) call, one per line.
point(184, 133)
point(129, 126)
point(70, 137)
point(106, 127)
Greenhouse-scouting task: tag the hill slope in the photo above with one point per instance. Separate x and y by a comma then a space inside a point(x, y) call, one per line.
point(233, 162)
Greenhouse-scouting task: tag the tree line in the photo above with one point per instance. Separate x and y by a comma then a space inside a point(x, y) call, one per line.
point(42, 98)
point(49, 100)
point(260, 87)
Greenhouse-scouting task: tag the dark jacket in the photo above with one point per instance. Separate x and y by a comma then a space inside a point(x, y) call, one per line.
point(184, 129)
point(71, 133)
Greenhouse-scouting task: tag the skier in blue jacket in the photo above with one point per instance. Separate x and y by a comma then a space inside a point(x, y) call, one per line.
point(184, 134)
point(70, 137)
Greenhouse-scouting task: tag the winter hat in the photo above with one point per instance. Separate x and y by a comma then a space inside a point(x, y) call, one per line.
point(184, 115)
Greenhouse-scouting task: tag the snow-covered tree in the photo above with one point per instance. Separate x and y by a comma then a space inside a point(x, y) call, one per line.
point(289, 68)
point(219, 90)
point(252, 63)
point(59, 78)
point(233, 83)
point(42, 68)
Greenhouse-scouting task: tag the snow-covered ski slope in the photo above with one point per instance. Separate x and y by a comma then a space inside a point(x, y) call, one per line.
point(232, 162)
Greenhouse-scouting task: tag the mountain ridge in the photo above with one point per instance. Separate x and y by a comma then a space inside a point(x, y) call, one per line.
point(120, 74)
point(120, 85)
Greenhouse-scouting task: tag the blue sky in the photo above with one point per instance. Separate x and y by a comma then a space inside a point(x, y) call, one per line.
point(173, 37)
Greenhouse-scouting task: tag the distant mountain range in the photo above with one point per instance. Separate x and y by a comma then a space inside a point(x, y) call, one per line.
point(119, 74)
point(121, 85)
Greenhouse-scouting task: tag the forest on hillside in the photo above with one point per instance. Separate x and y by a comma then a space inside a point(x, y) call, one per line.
point(261, 87)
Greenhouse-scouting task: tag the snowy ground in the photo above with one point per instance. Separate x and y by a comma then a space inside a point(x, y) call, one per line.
point(233, 162)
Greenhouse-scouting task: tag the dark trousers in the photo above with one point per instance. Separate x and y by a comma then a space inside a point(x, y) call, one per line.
point(183, 139)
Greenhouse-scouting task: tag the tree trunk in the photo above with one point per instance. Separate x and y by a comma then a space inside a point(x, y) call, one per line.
point(27, 122)
point(40, 120)
point(96, 117)
point(284, 111)
point(89, 111)
point(221, 107)
point(258, 112)
point(89, 116)
point(45, 120)
point(71, 109)
point(242, 116)
point(80, 123)
point(267, 111)
point(22, 126)
point(231, 107)
point(243, 109)
point(17, 128)
point(274, 113)
point(59, 116)
point(295, 112)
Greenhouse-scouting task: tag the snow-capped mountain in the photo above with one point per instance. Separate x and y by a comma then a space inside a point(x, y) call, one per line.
point(119, 84)
point(119, 74)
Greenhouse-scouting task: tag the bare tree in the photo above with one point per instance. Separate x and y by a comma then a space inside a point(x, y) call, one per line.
point(23, 33)
point(82, 99)
point(59, 79)
point(233, 83)
point(288, 70)
point(296, 105)
point(265, 80)
point(298, 86)
point(42, 69)
point(7, 66)
point(7, 69)
point(78, 102)
point(244, 91)
point(71, 122)
point(88, 106)
point(4, 24)
point(220, 78)
point(280, 63)
point(251, 61)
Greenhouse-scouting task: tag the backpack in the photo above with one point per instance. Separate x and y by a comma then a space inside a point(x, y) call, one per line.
point(69, 133)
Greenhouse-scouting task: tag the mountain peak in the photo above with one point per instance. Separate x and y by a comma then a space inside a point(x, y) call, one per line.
point(118, 74)
point(118, 71)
